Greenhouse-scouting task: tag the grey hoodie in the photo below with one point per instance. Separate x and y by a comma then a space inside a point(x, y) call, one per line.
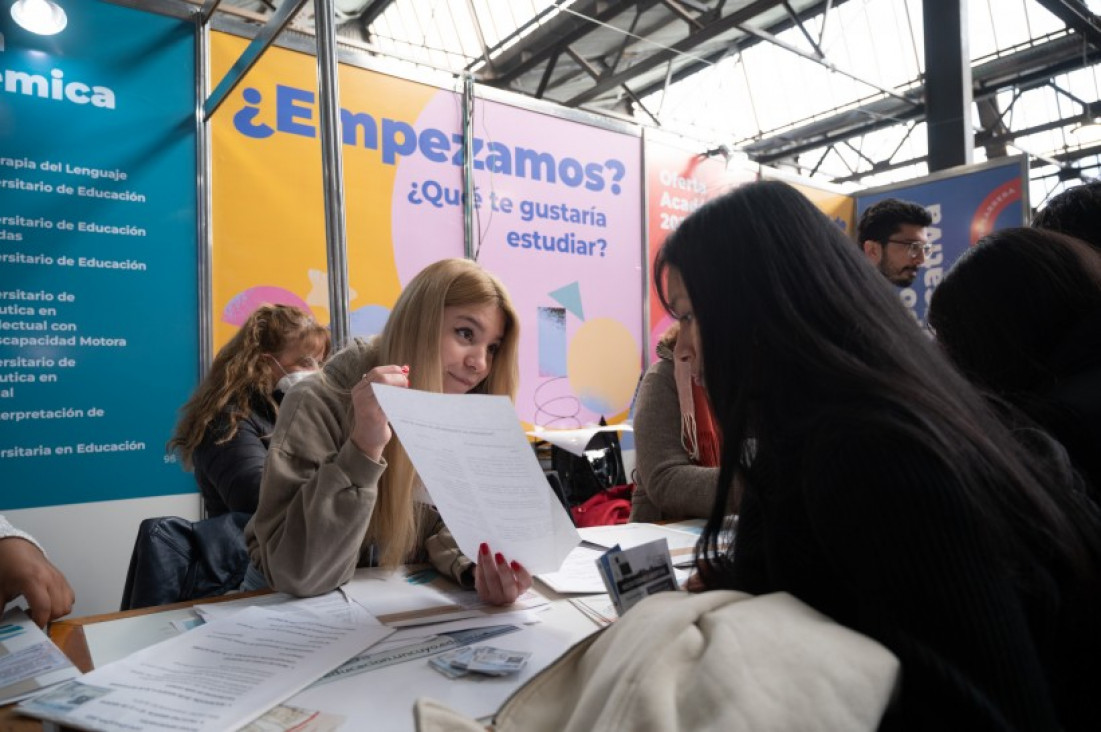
point(319, 490)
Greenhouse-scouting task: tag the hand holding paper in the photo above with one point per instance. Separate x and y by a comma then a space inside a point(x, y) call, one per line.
point(471, 454)
point(371, 429)
point(498, 581)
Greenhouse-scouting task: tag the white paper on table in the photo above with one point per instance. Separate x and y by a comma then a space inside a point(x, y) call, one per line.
point(330, 605)
point(412, 648)
point(473, 457)
point(211, 610)
point(576, 440)
point(598, 608)
point(682, 544)
point(382, 701)
point(404, 597)
point(390, 597)
point(29, 660)
point(218, 676)
point(112, 640)
point(578, 575)
point(693, 526)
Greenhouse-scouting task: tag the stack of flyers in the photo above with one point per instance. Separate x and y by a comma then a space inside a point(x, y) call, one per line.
point(484, 660)
point(635, 573)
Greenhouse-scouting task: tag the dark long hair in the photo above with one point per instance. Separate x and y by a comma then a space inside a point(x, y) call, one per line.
point(1008, 304)
point(1075, 212)
point(795, 325)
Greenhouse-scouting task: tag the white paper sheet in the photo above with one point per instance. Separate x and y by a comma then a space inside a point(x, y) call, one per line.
point(112, 640)
point(682, 544)
point(330, 605)
point(690, 526)
point(29, 660)
point(575, 441)
point(218, 676)
point(382, 700)
point(598, 608)
point(578, 575)
point(471, 453)
point(408, 597)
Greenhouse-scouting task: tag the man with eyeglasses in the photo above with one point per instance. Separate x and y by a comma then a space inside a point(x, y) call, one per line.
point(895, 239)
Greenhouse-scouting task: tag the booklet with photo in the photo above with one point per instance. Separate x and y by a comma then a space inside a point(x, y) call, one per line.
point(635, 573)
point(29, 660)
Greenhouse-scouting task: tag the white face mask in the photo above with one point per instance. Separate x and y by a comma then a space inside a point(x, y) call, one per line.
point(284, 384)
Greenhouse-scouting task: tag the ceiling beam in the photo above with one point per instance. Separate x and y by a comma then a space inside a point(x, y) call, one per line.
point(691, 67)
point(686, 44)
point(681, 12)
point(821, 61)
point(1032, 65)
point(986, 138)
point(1077, 17)
point(565, 28)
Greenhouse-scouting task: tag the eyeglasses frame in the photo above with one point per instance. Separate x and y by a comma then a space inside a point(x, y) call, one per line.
point(915, 247)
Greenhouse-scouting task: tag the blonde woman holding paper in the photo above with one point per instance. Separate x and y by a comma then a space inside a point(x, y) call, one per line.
point(338, 488)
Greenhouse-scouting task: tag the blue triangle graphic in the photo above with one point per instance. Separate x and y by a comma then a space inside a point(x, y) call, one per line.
point(570, 297)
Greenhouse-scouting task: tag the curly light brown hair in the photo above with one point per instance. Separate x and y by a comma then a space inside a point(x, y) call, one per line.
point(242, 370)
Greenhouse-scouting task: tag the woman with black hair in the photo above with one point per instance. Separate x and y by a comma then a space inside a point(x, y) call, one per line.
point(881, 490)
point(1020, 315)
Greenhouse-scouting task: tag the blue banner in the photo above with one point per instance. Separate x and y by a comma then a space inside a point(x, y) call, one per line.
point(98, 255)
point(965, 207)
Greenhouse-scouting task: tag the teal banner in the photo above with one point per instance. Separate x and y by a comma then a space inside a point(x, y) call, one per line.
point(98, 255)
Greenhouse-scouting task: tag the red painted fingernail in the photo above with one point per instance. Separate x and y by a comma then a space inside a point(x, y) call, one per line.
point(484, 548)
point(515, 566)
point(500, 558)
point(405, 369)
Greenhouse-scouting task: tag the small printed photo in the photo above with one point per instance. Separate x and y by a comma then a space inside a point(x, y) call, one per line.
point(67, 697)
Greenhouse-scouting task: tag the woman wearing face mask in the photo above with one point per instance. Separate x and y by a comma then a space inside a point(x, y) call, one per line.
point(224, 429)
point(339, 490)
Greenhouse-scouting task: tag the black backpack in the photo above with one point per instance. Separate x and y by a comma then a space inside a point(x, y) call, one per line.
point(581, 477)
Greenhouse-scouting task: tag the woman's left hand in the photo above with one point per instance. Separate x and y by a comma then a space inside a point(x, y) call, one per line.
point(498, 581)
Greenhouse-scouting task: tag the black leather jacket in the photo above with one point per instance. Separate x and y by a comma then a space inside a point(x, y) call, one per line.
point(228, 474)
point(175, 560)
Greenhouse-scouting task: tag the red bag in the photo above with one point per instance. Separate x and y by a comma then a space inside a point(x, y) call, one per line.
point(611, 506)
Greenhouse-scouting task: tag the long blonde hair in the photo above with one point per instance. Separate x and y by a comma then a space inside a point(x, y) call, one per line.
point(242, 371)
point(412, 336)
